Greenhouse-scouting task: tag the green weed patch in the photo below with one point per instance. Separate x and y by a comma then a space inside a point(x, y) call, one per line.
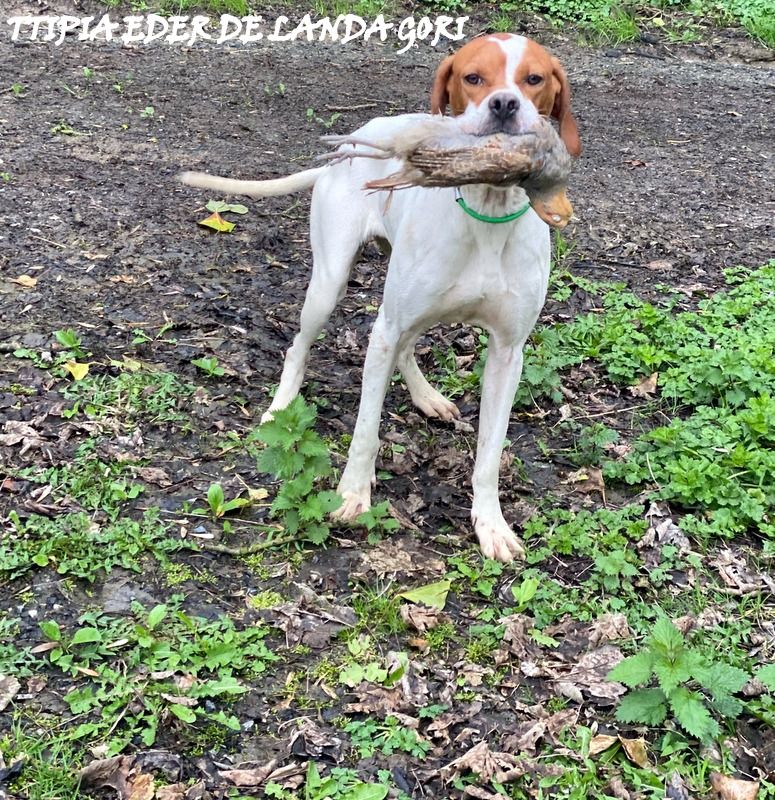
point(718, 462)
point(719, 354)
point(154, 397)
point(158, 668)
point(76, 546)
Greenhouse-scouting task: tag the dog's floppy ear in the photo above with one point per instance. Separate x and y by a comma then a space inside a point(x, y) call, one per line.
point(569, 131)
point(440, 91)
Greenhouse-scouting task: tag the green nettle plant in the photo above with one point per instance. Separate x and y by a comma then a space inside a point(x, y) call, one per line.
point(299, 458)
point(690, 686)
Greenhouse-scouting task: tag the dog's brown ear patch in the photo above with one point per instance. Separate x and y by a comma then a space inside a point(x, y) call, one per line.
point(440, 91)
point(569, 130)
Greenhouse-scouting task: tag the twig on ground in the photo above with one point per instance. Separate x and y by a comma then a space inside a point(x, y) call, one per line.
point(359, 107)
point(247, 550)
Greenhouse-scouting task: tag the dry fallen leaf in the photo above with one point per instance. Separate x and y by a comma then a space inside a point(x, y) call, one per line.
point(474, 674)
point(516, 635)
point(376, 700)
point(120, 774)
point(142, 787)
point(587, 480)
point(601, 743)
point(189, 702)
point(482, 794)
point(560, 721)
point(727, 788)
point(440, 728)
point(663, 531)
point(646, 387)
point(318, 743)
point(636, 751)
point(607, 628)
point(420, 618)
point(155, 475)
point(487, 764)
point(9, 688)
point(394, 555)
point(738, 577)
point(525, 737)
point(20, 432)
point(249, 777)
point(27, 281)
point(591, 669)
point(172, 791)
point(44, 648)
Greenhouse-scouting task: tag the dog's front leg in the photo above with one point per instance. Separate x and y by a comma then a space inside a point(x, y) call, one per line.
point(501, 378)
point(358, 475)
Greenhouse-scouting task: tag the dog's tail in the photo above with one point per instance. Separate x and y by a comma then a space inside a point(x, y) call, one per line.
point(269, 188)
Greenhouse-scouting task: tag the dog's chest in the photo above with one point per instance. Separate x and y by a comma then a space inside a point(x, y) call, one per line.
point(482, 282)
point(496, 276)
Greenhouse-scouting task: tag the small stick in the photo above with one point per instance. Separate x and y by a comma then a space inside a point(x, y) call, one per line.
point(257, 547)
point(352, 108)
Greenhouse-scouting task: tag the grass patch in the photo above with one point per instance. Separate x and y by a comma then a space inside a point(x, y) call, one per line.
point(720, 353)
point(616, 22)
point(718, 462)
point(609, 21)
point(713, 364)
point(154, 668)
point(154, 397)
point(50, 764)
point(76, 546)
point(96, 485)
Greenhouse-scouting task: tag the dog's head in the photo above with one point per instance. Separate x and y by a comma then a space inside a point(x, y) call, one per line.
point(503, 83)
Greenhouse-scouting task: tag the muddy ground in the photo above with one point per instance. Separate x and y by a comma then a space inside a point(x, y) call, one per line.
point(675, 184)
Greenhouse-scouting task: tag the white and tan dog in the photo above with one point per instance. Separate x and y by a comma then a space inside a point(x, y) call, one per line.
point(445, 265)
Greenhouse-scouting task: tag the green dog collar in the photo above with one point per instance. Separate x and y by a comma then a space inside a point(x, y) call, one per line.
point(483, 217)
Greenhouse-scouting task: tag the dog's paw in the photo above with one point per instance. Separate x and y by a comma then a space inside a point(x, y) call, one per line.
point(354, 503)
point(268, 415)
point(497, 540)
point(434, 404)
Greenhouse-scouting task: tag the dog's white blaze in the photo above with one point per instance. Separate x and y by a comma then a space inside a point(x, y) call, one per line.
point(514, 49)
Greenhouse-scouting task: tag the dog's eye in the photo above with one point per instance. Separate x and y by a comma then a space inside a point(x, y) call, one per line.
point(473, 79)
point(534, 79)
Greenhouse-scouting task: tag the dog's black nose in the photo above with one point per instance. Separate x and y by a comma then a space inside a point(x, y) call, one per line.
point(504, 105)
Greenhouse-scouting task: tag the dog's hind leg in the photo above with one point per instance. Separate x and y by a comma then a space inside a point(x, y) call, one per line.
point(430, 401)
point(336, 237)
